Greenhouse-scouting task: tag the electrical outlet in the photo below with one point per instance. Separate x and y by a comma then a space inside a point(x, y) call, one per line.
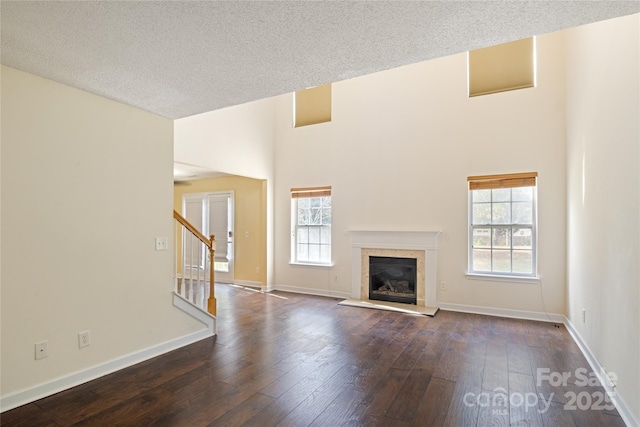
point(584, 315)
point(443, 286)
point(162, 243)
point(42, 350)
point(335, 278)
point(257, 270)
point(84, 339)
point(613, 378)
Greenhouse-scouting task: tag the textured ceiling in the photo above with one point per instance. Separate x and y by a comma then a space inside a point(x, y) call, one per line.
point(178, 58)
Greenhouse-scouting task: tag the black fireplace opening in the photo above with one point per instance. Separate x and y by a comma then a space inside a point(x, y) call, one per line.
point(392, 279)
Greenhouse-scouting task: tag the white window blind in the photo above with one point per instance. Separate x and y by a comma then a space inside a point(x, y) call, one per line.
point(219, 225)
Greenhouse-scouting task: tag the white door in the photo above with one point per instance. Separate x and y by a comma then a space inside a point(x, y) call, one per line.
point(212, 213)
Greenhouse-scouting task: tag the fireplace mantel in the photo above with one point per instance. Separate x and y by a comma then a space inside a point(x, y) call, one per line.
point(387, 241)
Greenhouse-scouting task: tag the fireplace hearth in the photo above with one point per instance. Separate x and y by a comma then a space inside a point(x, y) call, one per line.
point(392, 279)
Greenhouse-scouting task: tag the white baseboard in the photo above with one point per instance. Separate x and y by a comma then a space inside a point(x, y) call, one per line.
point(503, 312)
point(309, 291)
point(31, 394)
point(56, 385)
point(597, 368)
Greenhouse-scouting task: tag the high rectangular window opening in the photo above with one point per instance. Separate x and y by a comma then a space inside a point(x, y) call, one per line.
point(503, 225)
point(312, 106)
point(501, 68)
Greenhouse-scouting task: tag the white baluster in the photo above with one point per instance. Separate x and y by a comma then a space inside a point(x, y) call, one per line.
point(175, 258)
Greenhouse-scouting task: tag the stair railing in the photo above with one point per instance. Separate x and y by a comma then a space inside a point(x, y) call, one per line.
point(190, 250)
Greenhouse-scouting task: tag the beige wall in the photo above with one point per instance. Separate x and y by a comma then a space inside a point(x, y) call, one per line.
point(86, 188)
point(603, 145)
point(249, 216)
point(397, 154)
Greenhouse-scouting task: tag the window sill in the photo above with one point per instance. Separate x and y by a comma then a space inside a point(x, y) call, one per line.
point(501, 278)
point(310, 264)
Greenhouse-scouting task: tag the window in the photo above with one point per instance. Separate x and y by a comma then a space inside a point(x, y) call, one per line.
point(312, 106)
point(504, 67)
point(311, 225)
point(502, 225)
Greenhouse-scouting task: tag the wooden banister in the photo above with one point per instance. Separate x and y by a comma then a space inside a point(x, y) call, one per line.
point(182, 220)
point(210, 243)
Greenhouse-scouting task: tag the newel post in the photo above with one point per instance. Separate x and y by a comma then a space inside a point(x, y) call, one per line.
point(212, 298)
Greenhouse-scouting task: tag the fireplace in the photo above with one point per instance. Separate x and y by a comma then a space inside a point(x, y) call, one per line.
point(392, 279)
point(419, 245)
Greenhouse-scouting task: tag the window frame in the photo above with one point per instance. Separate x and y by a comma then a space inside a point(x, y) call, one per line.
point(509, 181)
point(309, 193)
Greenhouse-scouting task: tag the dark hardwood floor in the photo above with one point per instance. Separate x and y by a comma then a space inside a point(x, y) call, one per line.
point(285, 359)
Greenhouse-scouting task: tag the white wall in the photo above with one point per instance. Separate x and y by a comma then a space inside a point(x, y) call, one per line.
point(603, 137)
point(86, 187)
point(398, 153)
point(237, 140)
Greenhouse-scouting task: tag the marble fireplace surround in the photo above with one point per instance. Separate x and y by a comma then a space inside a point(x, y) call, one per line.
point(421, 245)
